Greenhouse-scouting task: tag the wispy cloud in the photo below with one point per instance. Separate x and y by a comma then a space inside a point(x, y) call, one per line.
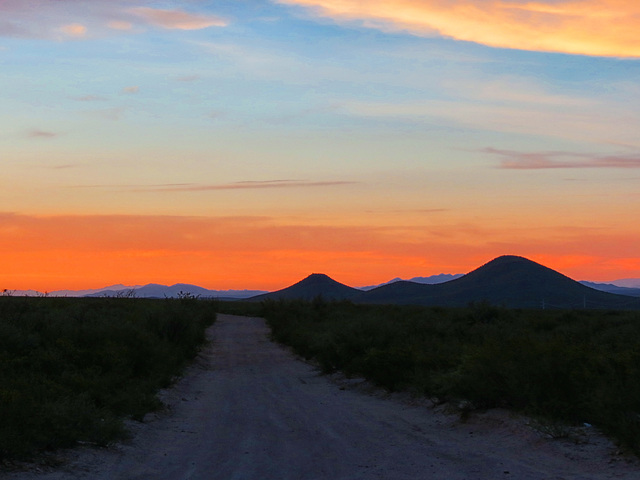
point(587, 27)
point(244, 185)
point(37, 133)
point(515, 160)
point(251, 185)
point(188, 78)
point(90, 98)
point(64, 166)
point(120, 25)
point(569, 122)
point(113, 114)
point(177, 19)
point(131, 90)
point(71, 20)
point(59, 20)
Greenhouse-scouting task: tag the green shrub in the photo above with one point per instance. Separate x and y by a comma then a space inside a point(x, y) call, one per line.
point(72, 369)
point(559, 366)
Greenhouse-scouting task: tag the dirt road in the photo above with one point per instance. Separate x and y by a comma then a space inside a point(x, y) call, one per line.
point(248, 409)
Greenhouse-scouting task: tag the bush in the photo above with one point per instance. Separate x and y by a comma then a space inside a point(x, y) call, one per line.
point(559, 366)
point(72, 369)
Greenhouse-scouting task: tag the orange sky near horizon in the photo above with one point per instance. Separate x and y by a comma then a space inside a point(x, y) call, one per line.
point(260, 253)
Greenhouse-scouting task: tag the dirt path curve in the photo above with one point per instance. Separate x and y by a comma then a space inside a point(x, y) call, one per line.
point(249, 410)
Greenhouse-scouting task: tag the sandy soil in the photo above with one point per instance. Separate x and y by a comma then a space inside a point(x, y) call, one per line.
point(248, 409)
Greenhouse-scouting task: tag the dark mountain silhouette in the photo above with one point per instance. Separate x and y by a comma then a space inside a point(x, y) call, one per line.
point(313, 286)
point(511, 281)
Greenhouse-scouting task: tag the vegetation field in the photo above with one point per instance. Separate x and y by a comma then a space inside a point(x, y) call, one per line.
point(71, 369)
point(561, 367)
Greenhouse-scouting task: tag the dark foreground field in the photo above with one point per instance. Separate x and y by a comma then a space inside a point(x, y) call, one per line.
point(248, 409)
point(561, 367)
point(72, 369)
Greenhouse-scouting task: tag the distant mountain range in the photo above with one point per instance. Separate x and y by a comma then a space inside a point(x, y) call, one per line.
point(613, 288)
point(510, 281)
point(627, 283)
point(152, 290)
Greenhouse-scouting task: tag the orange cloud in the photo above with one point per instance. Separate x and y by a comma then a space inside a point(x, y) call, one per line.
point(177, 19)
point(74, 30)
point(586, 27)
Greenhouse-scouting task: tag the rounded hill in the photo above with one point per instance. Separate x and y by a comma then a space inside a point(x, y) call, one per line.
point(315, 285)
point(510, 281)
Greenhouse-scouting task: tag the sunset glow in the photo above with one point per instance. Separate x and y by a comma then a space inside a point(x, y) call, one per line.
point(585, 27)
point(245, 145)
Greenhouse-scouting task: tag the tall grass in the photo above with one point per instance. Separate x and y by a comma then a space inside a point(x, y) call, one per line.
point(71, 369)
point(559, 366)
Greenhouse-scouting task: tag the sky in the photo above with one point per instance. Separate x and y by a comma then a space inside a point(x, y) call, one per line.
point(249, 143)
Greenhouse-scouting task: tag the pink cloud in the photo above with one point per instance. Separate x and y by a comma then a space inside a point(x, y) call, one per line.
point(544, 160)
point(73, 19)
point(177, 19)
point(120, 25)
point(244, 185)
point(37, 133)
